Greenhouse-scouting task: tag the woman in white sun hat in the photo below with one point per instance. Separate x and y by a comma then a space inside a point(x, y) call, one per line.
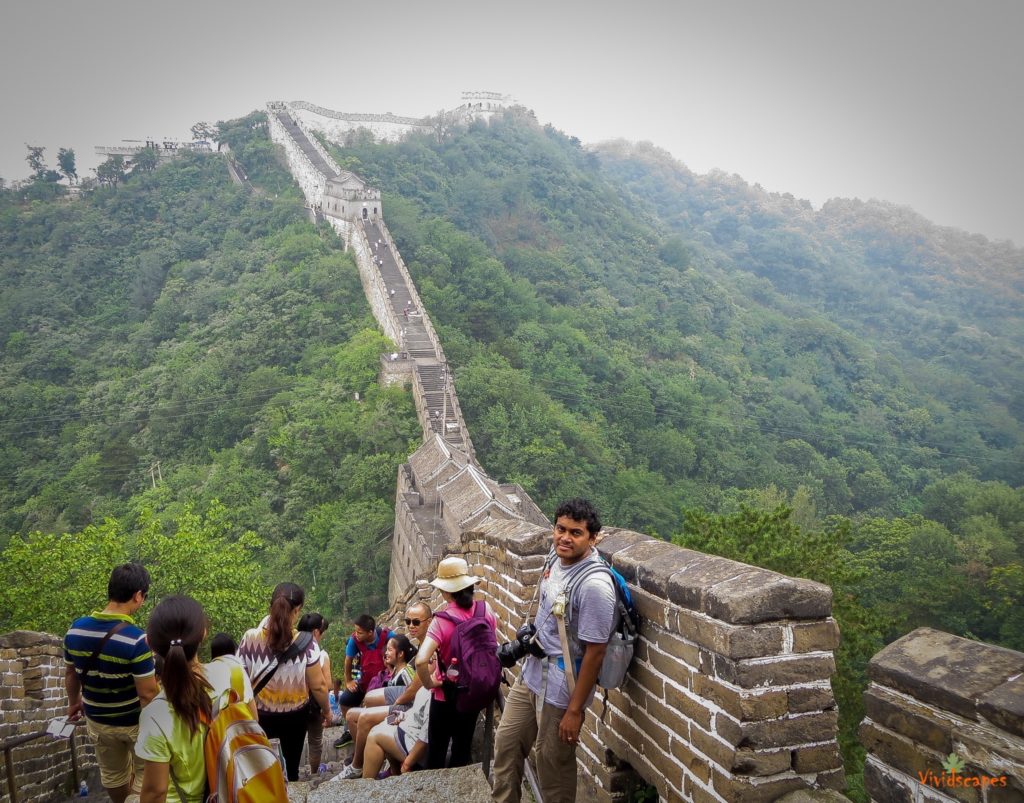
point(447, 724)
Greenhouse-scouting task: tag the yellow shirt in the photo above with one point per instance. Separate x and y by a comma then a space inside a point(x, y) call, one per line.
point(166, 739)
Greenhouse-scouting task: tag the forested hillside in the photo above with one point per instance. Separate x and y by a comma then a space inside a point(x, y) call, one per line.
point(182, 356)
point(833, 395)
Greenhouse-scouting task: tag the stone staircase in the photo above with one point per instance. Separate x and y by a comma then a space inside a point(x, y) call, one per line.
point(303, 142)
point(439, 404)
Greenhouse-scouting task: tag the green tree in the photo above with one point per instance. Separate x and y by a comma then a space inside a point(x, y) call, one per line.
point(35, 160)
point(111, 172)
point(46, 580)
point(770, 539)
point(66, 162)
point(203, 130)
point(200, 557)
point(146, 160)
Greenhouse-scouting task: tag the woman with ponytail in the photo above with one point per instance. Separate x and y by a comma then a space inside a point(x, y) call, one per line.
point(172, 727)
point(283, 701)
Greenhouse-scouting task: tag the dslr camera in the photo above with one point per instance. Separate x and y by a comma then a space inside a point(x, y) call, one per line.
point(525, 643)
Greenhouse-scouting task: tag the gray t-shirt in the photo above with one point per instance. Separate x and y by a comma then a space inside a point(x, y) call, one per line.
point(592, 611)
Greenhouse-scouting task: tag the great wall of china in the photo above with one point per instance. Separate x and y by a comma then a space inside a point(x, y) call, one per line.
point(729, 697)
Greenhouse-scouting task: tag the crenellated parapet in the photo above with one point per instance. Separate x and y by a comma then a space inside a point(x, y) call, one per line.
point(938, 703)
point(31, 695)
point(729, 696)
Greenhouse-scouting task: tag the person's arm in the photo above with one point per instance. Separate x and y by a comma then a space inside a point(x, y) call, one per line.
point(154, 782)
point(146, 688)
point(73, 686)
point(325, 669)
point(349, 684)
point(409, 692)
point(411, 760)
point(572, 721)
point(423, 656)
point(317, 687)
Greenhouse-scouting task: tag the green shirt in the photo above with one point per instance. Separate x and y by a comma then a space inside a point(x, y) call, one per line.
point(166, 739)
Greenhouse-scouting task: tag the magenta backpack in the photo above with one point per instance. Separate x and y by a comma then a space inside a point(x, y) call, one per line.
point(474, 646)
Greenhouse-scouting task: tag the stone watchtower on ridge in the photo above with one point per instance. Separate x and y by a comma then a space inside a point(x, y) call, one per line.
point(348, 197)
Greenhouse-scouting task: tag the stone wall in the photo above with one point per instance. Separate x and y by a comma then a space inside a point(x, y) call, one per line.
point(933, 694)
point(31, 694)
point(335, 125)
point(395, 370)
point(729, 697)
point(374, 289)
point(310, 180)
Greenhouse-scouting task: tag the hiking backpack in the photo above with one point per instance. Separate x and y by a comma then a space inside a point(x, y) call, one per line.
point(474, 645)
point(241, 766)
point(622, 643)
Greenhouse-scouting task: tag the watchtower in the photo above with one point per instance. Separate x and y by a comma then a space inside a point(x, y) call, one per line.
point(346, 196)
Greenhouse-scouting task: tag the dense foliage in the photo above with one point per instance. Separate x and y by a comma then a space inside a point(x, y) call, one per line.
point(829, 394)
point(177, 345)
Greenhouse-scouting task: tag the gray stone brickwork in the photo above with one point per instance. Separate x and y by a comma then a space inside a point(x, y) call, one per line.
point(31, 695)
point(729, 697)
point(931, 695)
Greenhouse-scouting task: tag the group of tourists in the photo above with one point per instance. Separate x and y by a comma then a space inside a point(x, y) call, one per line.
point(410, 700)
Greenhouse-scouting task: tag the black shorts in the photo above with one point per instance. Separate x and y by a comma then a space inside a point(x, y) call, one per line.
point(351, 699)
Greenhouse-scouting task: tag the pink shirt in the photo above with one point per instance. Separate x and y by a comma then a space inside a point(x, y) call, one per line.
point(441, 630)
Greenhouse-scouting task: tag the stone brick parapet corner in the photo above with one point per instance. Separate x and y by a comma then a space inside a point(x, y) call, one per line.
point(931, 694)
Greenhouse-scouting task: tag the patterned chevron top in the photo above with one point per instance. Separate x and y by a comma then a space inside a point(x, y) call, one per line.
point(287, 690)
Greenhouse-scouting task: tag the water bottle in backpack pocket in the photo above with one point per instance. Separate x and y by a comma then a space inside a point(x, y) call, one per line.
point(474, 658)
point(617, 658)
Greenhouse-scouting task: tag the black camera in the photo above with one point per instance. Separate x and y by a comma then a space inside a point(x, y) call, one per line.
point(525, 643)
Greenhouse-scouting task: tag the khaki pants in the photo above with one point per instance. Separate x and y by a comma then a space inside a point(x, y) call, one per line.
point(115, 754)
point(519, 729)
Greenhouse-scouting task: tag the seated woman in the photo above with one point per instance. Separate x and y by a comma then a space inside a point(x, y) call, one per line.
point(402, 739)
point(398, 656)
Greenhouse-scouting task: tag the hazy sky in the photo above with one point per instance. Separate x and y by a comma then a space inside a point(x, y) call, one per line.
point(912, 101)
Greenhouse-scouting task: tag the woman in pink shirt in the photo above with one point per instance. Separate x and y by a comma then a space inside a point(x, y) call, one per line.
point(448, 725)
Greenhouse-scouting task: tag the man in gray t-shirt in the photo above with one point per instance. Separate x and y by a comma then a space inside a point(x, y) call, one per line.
point(540, 707)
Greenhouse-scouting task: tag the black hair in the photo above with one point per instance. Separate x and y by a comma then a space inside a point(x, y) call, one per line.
point(403, 647)
point(222, 644)
point(313, 621)
point(365, 622)
point(175, 630)
point(464, 597)
point(125, 580)
point(285, 599)
point(580, 510)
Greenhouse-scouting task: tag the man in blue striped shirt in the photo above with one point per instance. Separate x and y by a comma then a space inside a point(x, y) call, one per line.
point(111, 688)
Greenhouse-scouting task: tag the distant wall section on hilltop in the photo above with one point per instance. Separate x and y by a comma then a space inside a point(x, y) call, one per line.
point(336, 125)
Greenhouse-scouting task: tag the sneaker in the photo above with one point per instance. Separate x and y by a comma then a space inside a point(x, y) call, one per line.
point(351, 772)
point(344, 740)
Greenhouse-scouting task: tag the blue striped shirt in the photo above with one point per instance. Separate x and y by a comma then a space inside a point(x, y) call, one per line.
point(108, 690)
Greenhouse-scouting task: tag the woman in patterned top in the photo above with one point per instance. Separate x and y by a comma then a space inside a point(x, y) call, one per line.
point(283, 702)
